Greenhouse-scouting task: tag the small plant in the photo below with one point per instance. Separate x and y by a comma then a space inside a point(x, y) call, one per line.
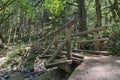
point(16, 51)
point(13, 57)
point(30, 60)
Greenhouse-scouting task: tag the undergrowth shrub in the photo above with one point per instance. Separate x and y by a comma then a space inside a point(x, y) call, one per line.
point(114, 44)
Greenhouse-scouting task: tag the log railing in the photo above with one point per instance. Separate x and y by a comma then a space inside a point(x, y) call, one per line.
point(66, 42)
point(96, 39)
point(58, 48)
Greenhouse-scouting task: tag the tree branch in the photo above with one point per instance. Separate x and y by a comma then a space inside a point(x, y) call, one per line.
point(5, 5)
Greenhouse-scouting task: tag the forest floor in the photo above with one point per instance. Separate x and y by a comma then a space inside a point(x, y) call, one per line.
point(19, 63)
point(97, 67)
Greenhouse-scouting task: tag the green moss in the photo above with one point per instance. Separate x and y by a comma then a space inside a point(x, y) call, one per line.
point(52, 75)
point(32, 57)
point(46, 76)
point(30, 60)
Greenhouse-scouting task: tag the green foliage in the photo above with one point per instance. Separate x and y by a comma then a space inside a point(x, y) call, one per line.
point(89, 46)
point(30, 60)
point(25, 6)
point(20, 5)
point(55, 6)
point(114, 44)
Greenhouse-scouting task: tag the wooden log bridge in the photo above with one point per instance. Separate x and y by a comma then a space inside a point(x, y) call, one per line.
point(59, 53)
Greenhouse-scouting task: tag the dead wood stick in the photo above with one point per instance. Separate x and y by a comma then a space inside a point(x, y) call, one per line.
point(47, 49)
point(57, 51)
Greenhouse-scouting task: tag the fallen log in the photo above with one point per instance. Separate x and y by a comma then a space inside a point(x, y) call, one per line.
point(50, 55)
point(77, 60)
point(74, 54)
point(106, 53)
point(78, 55)
point(45, 56)
point(58, 63)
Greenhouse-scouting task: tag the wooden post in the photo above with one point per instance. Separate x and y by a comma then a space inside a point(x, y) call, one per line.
point(80, 45)
point(55, 40)
point(68, 45)
point(46, 43)
point(96, 42)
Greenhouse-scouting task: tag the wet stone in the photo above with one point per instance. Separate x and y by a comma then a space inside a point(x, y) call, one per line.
point(1, 75)
point(2, 78)
point(6, 76)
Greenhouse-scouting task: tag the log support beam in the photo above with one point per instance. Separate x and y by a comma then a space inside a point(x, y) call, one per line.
point(96, 42)
point(68, 45)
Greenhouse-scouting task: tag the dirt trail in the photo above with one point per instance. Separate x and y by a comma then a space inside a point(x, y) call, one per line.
point(97, 67)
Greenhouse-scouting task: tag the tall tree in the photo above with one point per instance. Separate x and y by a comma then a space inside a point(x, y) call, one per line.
point(82, 15)
point(98, 13)
point(115, 10)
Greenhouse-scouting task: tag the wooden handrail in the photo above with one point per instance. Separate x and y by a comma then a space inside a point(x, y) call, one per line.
point(69, 24)
point(68, 55)
point(102, 39)
point(91, 31)
point(67, 40)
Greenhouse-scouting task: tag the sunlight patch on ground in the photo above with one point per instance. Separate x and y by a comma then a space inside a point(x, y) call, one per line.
point(2, 60)
point(101, 71)
point(117, 61)
point(92, 57)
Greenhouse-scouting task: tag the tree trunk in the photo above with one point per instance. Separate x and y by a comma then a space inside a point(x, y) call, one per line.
point(29, 30)
point(98, 13)
point(82, 15)
point(106, 17)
